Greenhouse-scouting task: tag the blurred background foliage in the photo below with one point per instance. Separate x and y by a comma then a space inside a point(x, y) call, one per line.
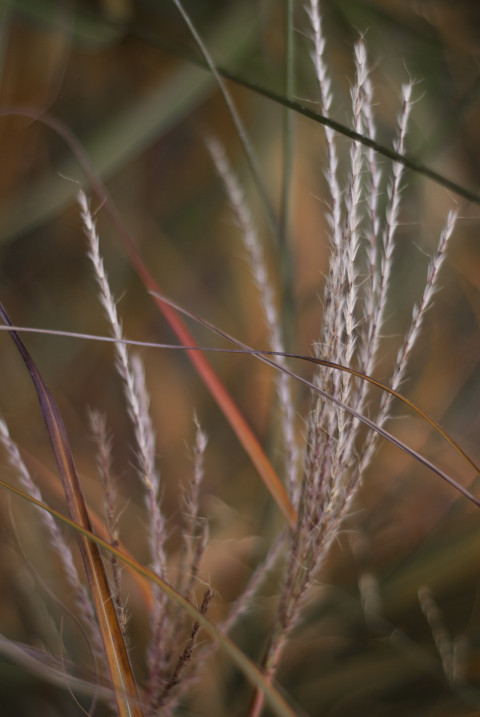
point(121, 75)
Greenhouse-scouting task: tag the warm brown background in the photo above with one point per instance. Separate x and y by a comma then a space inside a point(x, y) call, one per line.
point(140, 111)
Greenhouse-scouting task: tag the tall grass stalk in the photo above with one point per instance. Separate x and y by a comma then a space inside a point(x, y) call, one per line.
point(323, 473)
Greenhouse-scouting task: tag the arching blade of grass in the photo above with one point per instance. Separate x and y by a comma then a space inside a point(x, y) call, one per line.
point(420, 412)
point(115, 650)
point(196, 348)
point(406, 161)
point(56, 489)
point(214, 385)
point(263, 356)
point(249, 669)
point(306, 111)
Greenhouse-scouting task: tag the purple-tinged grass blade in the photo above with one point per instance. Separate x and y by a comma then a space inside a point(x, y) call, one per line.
point(263, 356)
point(121, 674)
point(218, 391)
point(276, 701)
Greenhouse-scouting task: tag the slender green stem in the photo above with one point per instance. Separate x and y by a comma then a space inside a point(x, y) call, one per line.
point(286, 259)
point(310, 113)
point(242, 134)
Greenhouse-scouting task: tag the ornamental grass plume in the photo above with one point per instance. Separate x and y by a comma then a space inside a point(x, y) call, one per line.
point(362, 239)
point(319, 473)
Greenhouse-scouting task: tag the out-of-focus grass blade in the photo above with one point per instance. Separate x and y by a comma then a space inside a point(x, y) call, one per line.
point(300, 108)
point(256, 352)
point(125, 135)
point(214, 385)
point(98, 525)
point(116, 653)
point(249, 669)
point(86, 28)
point(263, 356)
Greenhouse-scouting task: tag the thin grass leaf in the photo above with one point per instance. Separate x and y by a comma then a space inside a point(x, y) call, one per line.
point(263, 356)
point(242, 430)
point(302, 109)
point(249, 669)
point(98, 525)
point(237, 121)
point(121, 674)
point(253, 352)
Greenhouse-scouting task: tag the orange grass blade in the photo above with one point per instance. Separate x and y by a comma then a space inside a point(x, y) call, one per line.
point(232, 414)
point(97, 523)
point(218, 391)
point(115, 651)
point(249, 669)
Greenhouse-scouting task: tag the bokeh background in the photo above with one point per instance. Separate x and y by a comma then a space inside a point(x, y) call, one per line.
point(121, 75)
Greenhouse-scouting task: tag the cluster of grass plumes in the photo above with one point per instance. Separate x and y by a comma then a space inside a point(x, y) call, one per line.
point(355, 302)
point(320, 478)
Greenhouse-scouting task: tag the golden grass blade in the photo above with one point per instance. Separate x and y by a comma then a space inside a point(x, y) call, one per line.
point(249, 669)
point(383, 386)
point(121, 674)
point(54, 487)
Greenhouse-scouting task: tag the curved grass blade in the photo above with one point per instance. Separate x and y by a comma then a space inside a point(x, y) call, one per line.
point(383, 386)
point(115, 650)
point(51, 479)
point(249, 669)
point(242, 430)
point(146, 36)
point(263, 356)
point(302, 109)
point(309, 359)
